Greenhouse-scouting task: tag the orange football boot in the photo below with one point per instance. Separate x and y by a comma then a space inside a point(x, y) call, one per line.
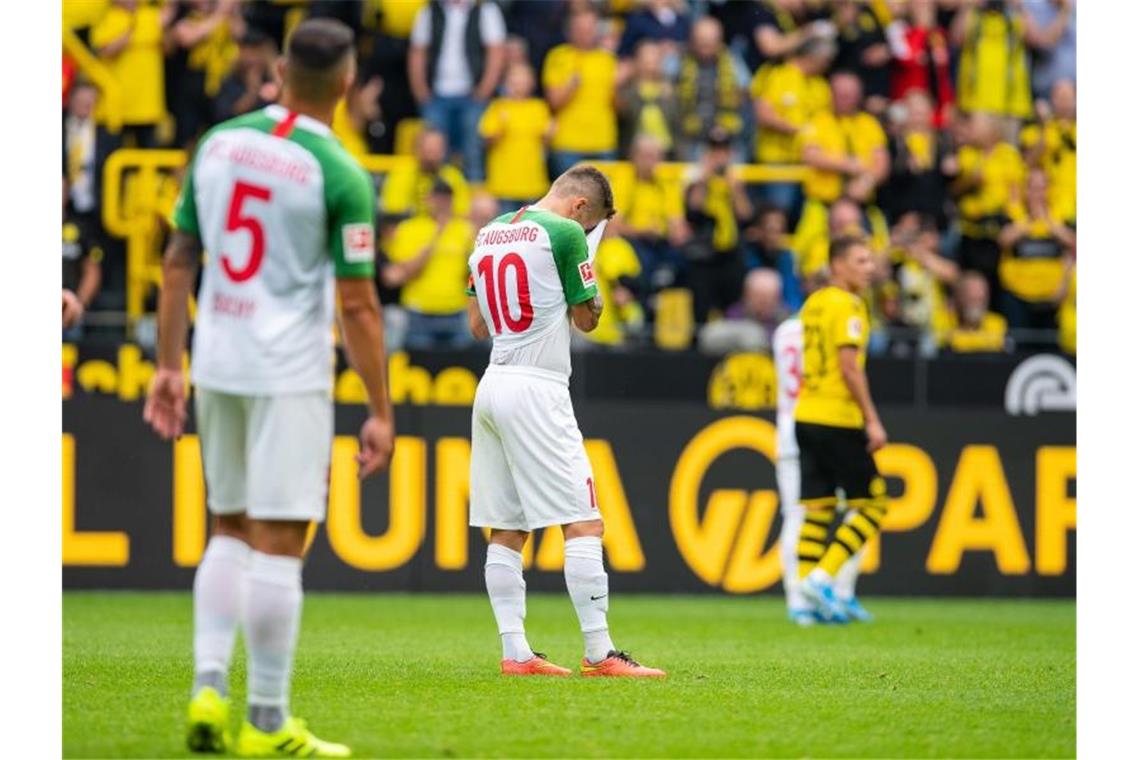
point(535, 666)
point(620, 664)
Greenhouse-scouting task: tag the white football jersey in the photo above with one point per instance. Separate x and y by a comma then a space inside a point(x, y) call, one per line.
point(527, 269)
point(281, 210)
point(788, 354)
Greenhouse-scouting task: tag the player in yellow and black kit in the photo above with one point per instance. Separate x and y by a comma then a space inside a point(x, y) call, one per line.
point(837, 427)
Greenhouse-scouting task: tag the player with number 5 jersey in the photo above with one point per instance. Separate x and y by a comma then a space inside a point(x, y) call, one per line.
point(530, 279)
point(285, 217)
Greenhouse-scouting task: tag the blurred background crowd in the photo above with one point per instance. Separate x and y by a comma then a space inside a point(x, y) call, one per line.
point(740, 136)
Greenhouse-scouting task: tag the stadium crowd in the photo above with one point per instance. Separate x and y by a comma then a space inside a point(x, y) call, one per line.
point(942, 130)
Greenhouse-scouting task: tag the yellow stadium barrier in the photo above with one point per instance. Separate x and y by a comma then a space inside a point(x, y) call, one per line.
point(140, 187)
point(136, 187)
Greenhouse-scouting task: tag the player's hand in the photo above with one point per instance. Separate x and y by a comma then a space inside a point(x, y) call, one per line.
point(876, 436)
point(377, 439)
point(165, 409)
point(72, 309)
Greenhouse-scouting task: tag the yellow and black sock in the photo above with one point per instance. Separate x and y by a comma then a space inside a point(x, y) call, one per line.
point(813, 533)
point(854, 533)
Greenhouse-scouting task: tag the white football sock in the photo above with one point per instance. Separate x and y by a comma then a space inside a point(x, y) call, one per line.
point(589, 588)
point(507, 590)
point(271, 620)
point(789, 556)
point(847, 575)
point(218, 586)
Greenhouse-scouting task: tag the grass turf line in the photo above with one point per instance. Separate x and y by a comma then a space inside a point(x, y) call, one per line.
point(417, 675)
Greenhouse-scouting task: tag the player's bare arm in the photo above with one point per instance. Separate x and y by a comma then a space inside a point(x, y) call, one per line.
point(165, 409)
point(363, 331)
point(856, 381)
point(475, 320)
point(586, 315)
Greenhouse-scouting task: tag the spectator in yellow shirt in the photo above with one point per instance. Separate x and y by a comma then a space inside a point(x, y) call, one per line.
point(429, 261)
point(129, 39)
point(785, 97)
point(651, 216)
point(989, 177)
point(406, 189)
point(1035, 246)
point(846, 152)
point(356, 113)
point(1052, 145)
point(971, 326)
point(516, 129)
point(580, 78)
point(993, 65)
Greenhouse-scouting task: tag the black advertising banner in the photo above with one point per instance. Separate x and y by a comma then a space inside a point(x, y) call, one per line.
point(983, 501)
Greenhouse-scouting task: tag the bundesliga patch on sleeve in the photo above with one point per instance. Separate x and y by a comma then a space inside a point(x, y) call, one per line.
point(586, 272)
point(357, 240)
point(854, 328)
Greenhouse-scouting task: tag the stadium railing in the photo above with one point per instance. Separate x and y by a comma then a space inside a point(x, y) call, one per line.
point(139, 188)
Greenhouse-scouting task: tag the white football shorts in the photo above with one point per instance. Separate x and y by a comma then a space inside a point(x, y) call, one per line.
point(529, 468)
point(267, 456)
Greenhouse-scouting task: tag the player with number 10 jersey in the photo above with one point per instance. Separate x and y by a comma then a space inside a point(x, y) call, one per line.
point(530, 278)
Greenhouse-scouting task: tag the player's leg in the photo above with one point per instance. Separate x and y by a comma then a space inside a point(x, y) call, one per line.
point(221, 572)
point(866, 500)
point(818, 484)
point(844, 585)
point(817, 494)
point(288, 452)
point(495, 505)
point(555, 484)
point(788, 483)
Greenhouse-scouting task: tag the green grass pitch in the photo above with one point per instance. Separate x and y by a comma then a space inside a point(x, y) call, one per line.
point(417, 676)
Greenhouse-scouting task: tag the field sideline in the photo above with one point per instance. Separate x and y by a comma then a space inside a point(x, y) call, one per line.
point(417, 675)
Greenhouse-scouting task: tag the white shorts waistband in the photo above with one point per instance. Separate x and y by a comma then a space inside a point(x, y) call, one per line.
point(538, 372)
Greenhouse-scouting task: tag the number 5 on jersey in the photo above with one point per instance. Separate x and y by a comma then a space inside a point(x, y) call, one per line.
point(238, 218)
point(498, 298)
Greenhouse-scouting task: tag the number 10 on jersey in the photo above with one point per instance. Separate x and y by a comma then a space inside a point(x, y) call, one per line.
point(499, 302)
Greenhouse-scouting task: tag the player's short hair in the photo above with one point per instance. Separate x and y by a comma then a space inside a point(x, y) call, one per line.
point(588, 181)
point(315, 55)
point(843, 244)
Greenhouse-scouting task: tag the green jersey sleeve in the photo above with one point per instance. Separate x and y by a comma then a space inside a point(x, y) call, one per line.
point(571, 257)
point(351, 213)
point(185, 217)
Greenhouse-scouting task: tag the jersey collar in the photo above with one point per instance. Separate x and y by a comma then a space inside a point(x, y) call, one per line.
point(279, 113)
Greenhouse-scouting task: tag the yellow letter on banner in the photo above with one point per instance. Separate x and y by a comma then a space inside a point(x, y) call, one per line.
point(916, 469)
point(979, 478)
point(405, 511)
point(104, 549)
point(189, 502)
point(1056, 512)
point(452, 483)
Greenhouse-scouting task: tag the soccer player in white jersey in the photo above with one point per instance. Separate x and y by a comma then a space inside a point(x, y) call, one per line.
point(787, 350)
point(530, 278)
point(286, 218)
